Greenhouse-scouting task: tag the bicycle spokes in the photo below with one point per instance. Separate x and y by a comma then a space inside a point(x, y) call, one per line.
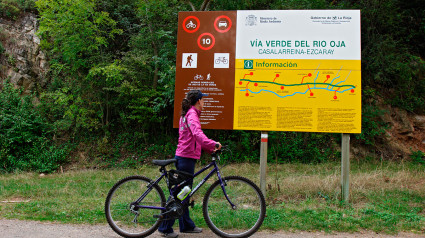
point(129, 218)
point(241, 214)
point(135, 218)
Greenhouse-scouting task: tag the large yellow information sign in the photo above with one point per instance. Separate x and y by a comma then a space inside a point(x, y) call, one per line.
point(297, 70)
point(309, 95)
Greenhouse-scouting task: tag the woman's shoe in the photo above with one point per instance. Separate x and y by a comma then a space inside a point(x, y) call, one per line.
point(169, 235)
point(195, 230)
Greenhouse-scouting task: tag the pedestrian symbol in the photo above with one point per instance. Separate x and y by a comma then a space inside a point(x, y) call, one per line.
point(190, 60)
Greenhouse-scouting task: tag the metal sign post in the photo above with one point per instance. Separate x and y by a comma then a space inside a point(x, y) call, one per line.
point(263, 161)
point(345, 167)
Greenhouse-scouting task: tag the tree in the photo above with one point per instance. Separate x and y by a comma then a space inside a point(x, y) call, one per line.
point(204, 6)
point(74, 32)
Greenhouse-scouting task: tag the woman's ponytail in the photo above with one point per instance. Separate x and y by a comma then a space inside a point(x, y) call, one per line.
point(190, 100)
point(185, 106)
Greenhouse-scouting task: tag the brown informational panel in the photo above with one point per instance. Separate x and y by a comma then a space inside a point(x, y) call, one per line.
point(206, 61)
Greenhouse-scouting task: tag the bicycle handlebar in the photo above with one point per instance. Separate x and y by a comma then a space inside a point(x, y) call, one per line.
point(218, 152)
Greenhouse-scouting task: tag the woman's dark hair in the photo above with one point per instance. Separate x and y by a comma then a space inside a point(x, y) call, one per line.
point(190, 100)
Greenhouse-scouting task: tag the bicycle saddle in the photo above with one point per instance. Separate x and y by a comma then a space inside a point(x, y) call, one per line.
point(163, 162)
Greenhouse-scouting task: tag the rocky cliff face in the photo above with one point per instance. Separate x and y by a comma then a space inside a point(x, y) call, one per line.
point(21, 59)
point(405, 134)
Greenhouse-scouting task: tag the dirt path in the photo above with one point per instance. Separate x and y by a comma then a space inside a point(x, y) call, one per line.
point(35, 229)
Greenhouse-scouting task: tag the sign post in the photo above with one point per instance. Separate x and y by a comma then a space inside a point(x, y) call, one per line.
point(345, 167)
point(263, 161)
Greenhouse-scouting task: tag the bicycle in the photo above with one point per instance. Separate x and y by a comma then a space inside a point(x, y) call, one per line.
point(198, 77)
point(221, 59)
point(191, 25)
point(136, 205)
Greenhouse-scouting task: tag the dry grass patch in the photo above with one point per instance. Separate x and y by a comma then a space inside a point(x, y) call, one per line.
point(298, 181)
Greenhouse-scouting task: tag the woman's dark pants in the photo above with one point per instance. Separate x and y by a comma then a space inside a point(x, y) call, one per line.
point(185, 223)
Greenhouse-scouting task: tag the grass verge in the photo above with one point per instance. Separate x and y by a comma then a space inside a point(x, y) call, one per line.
point(385, 198)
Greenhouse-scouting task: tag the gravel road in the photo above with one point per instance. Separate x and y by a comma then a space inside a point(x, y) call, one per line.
point(35, 229)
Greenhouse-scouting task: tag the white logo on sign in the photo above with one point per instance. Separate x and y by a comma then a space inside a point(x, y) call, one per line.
point(190, 60)
point(221, 60)
point(251, 20)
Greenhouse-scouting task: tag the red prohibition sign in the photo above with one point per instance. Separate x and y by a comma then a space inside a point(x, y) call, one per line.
point(228, 21)
point(210, 41)
point(190, 24)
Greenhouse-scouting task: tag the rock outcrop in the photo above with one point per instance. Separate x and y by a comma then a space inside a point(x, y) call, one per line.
point(407, 131)
point(21, 59)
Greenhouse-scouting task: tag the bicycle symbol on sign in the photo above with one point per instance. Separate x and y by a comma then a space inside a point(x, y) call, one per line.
point(221, 60)
point(198, 77)
point(191, 25)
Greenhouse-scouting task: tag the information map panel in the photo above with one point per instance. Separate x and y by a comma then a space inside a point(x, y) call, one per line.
point(296, 70)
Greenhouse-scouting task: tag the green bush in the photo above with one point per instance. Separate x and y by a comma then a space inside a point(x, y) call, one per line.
point(293, 147)
point(393, 49)
point(24, 136)
point(2, 50)
point(244, 145)
point(418, 157)
point(11, 9)
point(372, 125)
point(302, 147)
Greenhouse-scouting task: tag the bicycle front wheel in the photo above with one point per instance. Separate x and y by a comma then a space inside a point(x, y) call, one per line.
point(242, 220)
point(125, 219)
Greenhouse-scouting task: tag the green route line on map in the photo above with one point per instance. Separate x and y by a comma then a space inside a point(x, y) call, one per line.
point(300, 84)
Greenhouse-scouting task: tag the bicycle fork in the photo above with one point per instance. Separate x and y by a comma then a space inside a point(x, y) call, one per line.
point(223, 185)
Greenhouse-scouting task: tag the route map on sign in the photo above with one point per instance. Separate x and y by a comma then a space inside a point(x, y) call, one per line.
point(284, 70)
point(292, 89)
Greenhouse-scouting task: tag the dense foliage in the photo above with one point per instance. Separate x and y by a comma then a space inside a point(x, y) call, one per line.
point(11, 9)
point(25, 136)
point(112, 78)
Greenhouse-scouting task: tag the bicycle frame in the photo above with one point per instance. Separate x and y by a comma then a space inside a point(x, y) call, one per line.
point(186, 200)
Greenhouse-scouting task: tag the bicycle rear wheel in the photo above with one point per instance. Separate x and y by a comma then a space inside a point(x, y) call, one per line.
point(129, 222)
point(243, 220)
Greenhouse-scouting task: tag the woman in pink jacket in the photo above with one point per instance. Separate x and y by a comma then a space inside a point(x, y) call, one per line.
point(191, 142)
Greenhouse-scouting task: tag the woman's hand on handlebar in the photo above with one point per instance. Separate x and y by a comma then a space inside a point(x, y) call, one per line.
point(217, 146)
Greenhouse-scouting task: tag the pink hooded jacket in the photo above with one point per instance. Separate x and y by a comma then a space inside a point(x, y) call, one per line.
point(191, 138)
